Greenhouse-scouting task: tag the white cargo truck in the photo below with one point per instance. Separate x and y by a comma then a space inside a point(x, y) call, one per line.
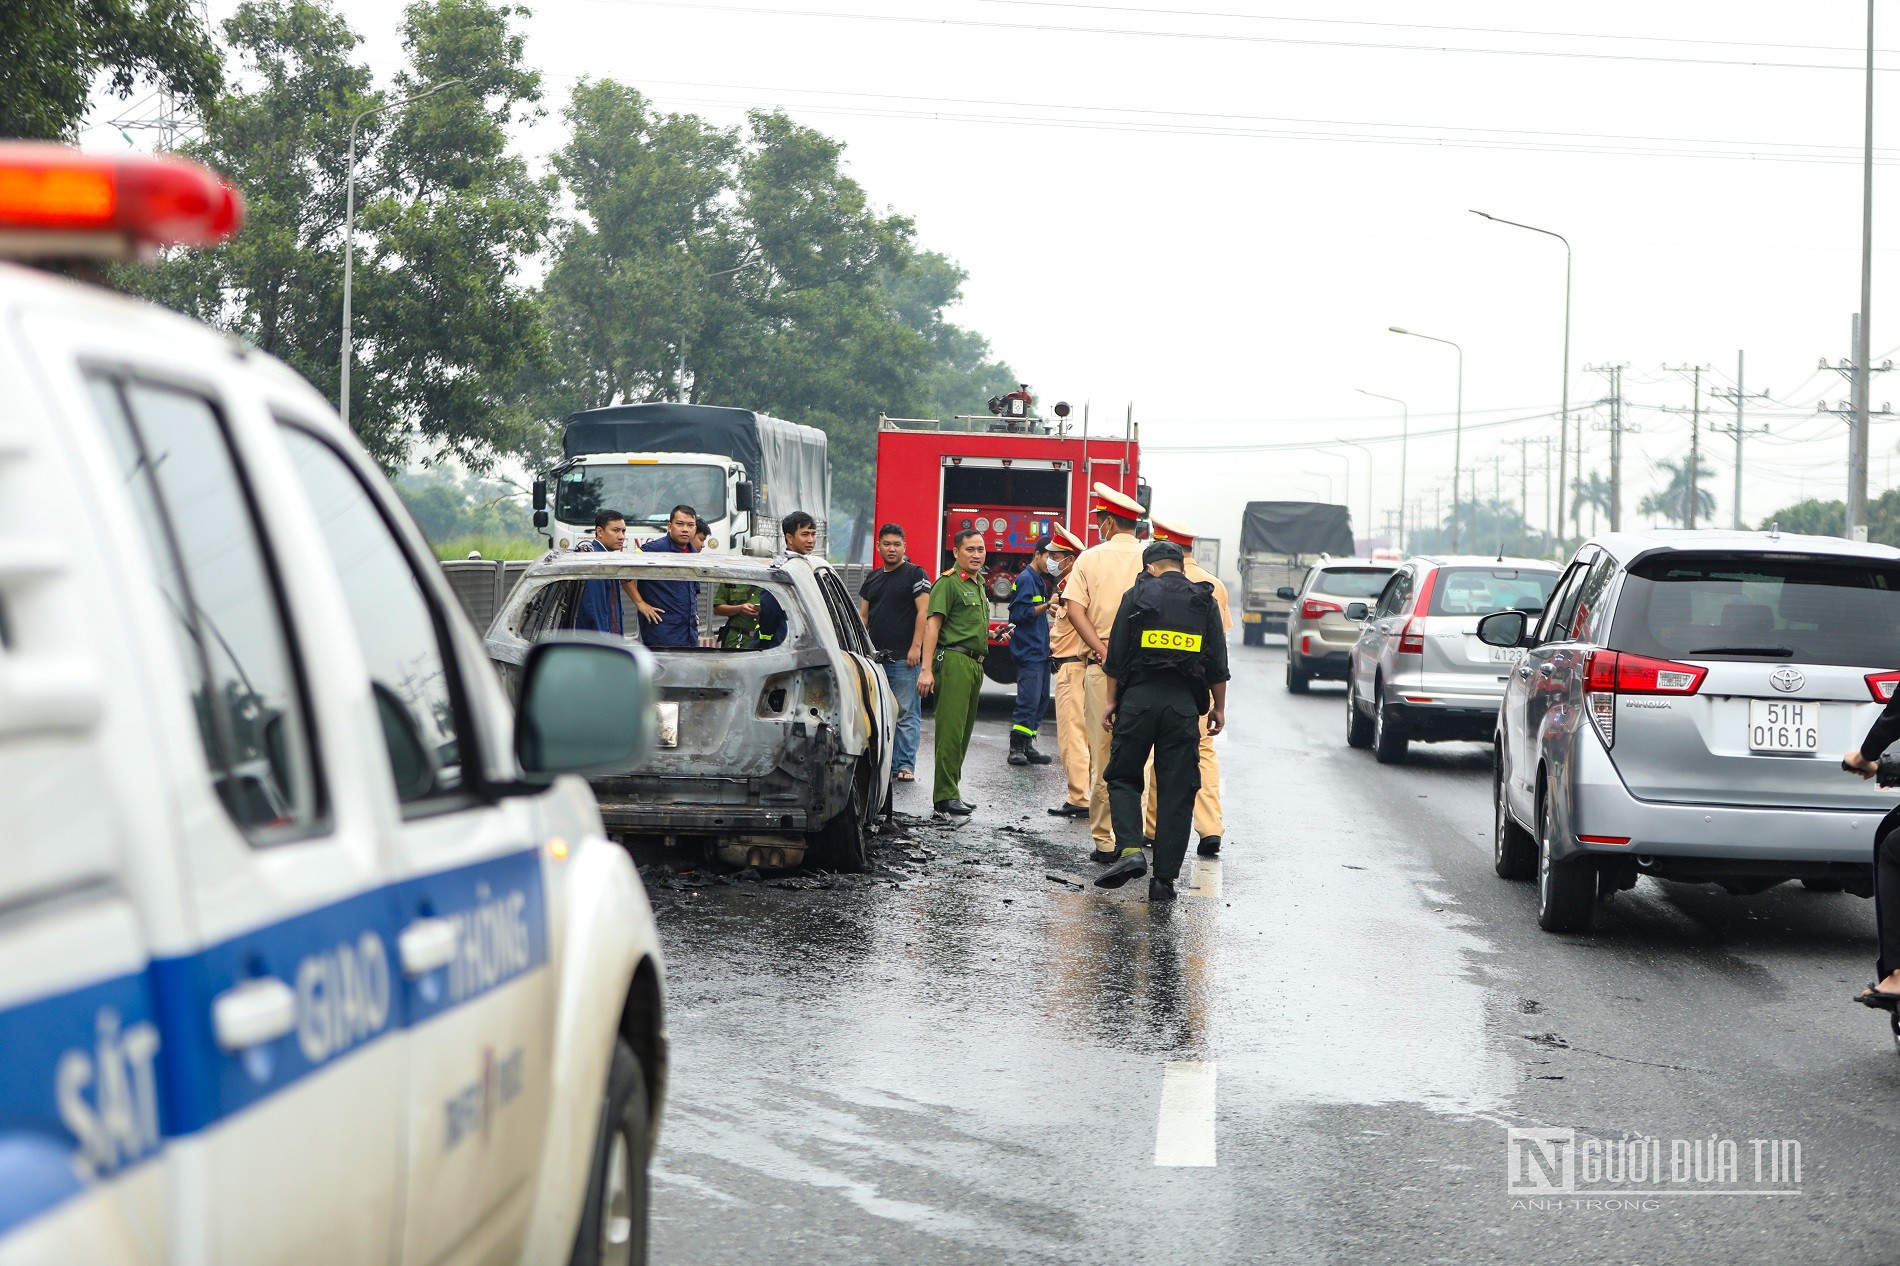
point(741, 471)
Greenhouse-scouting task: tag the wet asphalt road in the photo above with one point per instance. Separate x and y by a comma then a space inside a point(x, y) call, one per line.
point(964, 1060)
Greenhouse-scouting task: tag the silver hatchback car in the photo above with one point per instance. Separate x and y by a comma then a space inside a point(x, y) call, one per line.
point(1680, 711)
point(1418, 671)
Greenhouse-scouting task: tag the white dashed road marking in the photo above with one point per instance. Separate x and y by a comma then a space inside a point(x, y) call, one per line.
point(1184, 1135)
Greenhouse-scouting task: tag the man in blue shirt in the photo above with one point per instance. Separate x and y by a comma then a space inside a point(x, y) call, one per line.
point(1029, 643)
point(599, 610)
point(669, 609)
point(801, 537)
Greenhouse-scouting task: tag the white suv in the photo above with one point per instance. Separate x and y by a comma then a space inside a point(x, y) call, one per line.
point(306, 953)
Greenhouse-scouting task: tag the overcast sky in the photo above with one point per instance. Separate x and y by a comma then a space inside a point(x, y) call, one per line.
point(1150, 212)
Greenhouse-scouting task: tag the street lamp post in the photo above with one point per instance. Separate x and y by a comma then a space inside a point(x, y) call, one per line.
point(1563, 426)
point(1458, 429)
point(1368, 452)
point(1405, 431)
point(349, 233)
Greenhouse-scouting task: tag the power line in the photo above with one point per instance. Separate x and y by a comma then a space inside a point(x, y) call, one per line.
point(1424, 26)
point(1139, 116)
point(700, 6)
point(1436, 142)
point(1294, 445)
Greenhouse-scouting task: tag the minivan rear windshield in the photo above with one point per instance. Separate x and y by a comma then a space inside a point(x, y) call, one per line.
point(1352, 582)
point(1482, 590)
point(1805, 609)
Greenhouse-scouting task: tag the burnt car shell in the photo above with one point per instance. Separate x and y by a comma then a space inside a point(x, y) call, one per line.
point(769, 745)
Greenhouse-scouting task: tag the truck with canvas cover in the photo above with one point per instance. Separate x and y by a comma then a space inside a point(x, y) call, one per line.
point(741, 471)
point(1278, 541)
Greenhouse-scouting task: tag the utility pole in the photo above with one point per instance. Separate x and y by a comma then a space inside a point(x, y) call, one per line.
point(1523, 447)
point(1738, 397)
point(1856, 411)
point(1694, 472)
point(1547, 506)
point(1497, 500)
point(1615, 401)
point(1858, 428)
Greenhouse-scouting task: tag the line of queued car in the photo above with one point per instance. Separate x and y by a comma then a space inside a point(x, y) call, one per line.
point(1668, 703)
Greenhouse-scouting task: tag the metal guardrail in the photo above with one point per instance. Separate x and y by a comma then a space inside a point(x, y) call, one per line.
point(481, 585)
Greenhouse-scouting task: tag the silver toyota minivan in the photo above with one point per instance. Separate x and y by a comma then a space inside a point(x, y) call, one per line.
point(1418, 672)
point(1681, 709)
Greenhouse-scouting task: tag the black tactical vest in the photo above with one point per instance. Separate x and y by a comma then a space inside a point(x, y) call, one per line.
point(1168, 622)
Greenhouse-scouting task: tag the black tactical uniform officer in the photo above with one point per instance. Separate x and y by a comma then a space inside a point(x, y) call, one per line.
point(1167, 667)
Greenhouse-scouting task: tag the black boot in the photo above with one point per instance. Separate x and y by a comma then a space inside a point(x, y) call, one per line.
point(1018, 748)
point(1035, 757)
point(1209, 846)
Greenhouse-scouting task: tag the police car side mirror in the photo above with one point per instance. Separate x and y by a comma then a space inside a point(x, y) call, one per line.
point(1285, 593)
point(585, 704)
point(409, 763)
point(1503, 628)
point(1357, 610)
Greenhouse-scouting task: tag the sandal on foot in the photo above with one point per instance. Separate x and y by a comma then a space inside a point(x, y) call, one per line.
point(1873, 997)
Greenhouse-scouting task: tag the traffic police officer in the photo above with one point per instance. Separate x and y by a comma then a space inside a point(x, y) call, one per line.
point(1207, 810)
point(1102, 575)
point(1068, 661)
point(1166, 667)
point(956, 635)
point(1029, 646)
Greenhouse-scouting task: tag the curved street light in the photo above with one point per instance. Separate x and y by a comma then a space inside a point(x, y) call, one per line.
point(1458, 432)
point(1563, 428)
point(349, 232)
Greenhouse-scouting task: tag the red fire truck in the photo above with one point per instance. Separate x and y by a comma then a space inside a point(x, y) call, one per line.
point(1009, 476)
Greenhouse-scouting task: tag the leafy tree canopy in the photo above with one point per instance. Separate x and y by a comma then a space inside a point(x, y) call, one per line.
point(58, 50)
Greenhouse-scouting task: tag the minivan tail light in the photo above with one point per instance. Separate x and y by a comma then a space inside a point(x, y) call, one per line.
point(1314, 608)
point(1881, 685)
point(1612, 673)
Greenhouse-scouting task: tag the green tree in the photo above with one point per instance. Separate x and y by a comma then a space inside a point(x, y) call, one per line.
point(1671, 502)
point(446, 328)
point(754, 259)
point(280, 138)
point(443, 327)
point(1592, 492)
point(57, 50)
point(635, 273)
point(1812, 517)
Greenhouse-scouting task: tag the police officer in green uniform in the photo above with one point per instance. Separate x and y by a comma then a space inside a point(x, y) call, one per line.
point(956, 635)
point(1167, 667)
point(739, 603)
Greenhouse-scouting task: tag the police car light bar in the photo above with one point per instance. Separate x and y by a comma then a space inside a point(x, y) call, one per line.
point(56, 202)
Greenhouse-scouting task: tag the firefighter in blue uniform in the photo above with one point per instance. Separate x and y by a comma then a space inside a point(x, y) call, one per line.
point(1029, 643)
point(1166, 668)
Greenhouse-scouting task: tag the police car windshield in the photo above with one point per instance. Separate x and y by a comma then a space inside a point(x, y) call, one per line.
point(1482, 590)
point(645, 494)
point(1805, 609)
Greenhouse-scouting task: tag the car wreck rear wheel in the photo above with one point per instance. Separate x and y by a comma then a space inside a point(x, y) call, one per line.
point(844, 843)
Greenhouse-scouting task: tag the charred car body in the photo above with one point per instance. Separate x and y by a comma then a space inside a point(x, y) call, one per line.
point(767, 757)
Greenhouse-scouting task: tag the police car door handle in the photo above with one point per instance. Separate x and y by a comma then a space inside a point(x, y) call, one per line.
point(257, 1011)
point(426, 945)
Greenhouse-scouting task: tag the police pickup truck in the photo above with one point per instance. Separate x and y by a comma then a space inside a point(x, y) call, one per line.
point(310, 951)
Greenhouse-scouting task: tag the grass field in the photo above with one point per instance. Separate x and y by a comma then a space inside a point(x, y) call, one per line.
point(491, 547)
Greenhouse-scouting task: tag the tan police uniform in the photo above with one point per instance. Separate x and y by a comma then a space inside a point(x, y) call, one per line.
point(1208, 821)
point(1069, 659)
point(1101, 576)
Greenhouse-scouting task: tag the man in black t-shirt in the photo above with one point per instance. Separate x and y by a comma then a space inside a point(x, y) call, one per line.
point(892, 601)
